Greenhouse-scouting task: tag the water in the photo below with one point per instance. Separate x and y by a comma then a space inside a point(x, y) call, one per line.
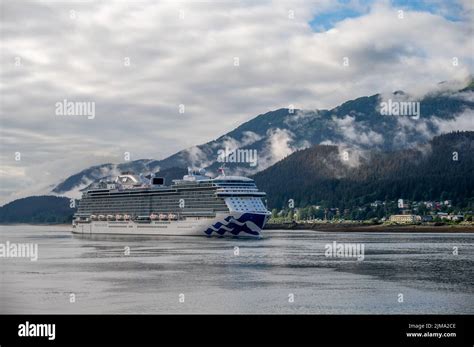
point(260, 279)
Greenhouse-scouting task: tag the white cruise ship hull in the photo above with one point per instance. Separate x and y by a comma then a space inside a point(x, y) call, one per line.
point(234, 224)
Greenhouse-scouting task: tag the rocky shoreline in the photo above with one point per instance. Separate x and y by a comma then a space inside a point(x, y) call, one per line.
point(341, 227)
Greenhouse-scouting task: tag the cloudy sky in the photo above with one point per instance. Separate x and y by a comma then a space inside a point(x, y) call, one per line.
point(224, 61)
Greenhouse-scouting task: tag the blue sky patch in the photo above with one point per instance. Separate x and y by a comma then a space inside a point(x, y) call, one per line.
point(449, 9)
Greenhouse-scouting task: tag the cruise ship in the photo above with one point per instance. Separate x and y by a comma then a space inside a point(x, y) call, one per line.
point(195, 205)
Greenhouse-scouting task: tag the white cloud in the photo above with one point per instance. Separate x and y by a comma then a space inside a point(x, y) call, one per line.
point(196, 157)
point(356, 133)
point(279, 144)
point(462, 122)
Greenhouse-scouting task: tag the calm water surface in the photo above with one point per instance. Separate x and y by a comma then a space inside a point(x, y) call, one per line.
point(260, 279)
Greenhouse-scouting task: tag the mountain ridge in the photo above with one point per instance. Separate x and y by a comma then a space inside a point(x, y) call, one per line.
point(275, 134)
point(321, 175)
point(438, 169)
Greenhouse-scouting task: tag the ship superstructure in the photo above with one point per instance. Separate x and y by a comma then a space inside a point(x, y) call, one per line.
point(194, 205)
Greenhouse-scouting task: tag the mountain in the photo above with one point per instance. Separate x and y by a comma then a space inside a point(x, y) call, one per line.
point(332, 176)
point(37, 210)
point(357, 124)
point(328, 175)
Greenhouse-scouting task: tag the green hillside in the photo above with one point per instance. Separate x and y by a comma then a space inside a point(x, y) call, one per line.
point(37, 210)
point(320, 176)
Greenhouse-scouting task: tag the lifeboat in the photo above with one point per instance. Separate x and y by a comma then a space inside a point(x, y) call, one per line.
point(172, 216)
point(126, 217)
point(93, 217)
point(153, 216)
point(101, 217)
point(163, 216)
point(110, 217)
point(118, 217)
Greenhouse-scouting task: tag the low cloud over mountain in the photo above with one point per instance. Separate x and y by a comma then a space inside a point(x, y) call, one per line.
point(355, 126)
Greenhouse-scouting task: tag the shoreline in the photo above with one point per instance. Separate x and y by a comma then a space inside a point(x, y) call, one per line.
point(36, 225)
point(372, 228)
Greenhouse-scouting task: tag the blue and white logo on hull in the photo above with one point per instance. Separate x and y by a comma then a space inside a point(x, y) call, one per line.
point(248, 224)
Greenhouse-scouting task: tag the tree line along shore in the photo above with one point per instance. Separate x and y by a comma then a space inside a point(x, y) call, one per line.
point(365, 227)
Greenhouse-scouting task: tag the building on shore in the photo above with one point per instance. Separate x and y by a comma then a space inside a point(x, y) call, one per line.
point(452, 217)
point(427, 218)
point(405, 218)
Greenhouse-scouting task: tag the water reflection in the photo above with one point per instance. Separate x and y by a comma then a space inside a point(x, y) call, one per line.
point(257, 279)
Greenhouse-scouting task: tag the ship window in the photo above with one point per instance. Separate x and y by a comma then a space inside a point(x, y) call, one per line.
point(158, 180)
